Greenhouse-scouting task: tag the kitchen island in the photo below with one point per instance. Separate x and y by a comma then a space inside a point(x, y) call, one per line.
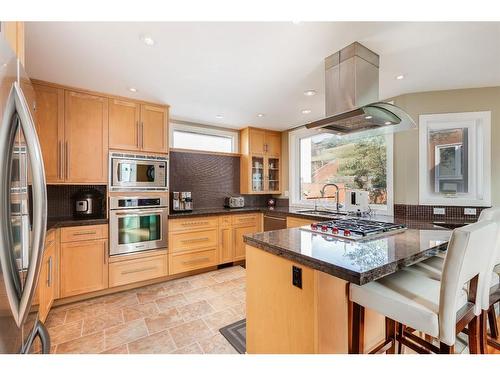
point(298, 282)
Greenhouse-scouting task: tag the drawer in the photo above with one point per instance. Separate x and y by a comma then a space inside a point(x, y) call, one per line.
point(194, 240)
point(225, 221)
point(84, 233)
point(131, 271)
point(179, 263)
point(176, 225)
point(294, 222)
point(251, 219)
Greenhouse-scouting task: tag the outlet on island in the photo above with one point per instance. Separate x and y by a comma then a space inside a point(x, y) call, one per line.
point(297, 276)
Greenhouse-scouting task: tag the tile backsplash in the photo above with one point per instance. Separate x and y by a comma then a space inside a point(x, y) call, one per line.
point(60, 202)
point(435, 212)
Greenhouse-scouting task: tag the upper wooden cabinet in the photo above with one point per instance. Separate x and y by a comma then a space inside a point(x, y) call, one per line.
point(260, 161)
point(139, 127)
point(14, 34)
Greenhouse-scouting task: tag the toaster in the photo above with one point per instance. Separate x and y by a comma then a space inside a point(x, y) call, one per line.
point(234, 202)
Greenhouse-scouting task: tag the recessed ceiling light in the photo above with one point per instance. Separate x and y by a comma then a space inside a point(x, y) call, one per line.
point(296, 22)
point(132, 89)
point(310, 92)
point(260, 115)
point(400, 77)
point(388, 123)
point(219, 116)
point(368, 117)
point(306, 111)
point(148, 40)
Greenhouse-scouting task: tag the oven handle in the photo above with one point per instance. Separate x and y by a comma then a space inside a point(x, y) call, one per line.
point(132, 212)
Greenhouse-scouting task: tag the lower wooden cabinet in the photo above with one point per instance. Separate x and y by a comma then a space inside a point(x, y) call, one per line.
point(183, 262)
point(83, 267)
point(239, 244)
point(294, 222)
point(226, 248)
point(47, 282)
point(134, 270)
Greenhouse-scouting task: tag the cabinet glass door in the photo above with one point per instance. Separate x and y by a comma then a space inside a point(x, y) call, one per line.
point(273, 168)
point(257, 173)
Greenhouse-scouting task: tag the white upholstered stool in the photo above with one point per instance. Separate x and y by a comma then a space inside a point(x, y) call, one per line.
point(438, 308)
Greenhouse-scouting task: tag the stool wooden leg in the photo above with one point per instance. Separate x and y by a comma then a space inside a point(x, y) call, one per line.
point(401, 328)
point(390, 334)
point(358, 329)
point(474, 335)
point(492, 320)
point(445, 349)
point(483, 333)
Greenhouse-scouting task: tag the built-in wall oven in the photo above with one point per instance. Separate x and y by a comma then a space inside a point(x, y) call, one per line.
point(137, 223)
point(130, 172)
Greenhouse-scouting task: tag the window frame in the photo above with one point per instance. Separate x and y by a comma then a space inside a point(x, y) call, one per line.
point(294, 138)
point(478, 158)
point(204, 130)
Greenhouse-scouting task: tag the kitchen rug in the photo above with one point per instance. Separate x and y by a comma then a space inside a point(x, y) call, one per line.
point(236, 334)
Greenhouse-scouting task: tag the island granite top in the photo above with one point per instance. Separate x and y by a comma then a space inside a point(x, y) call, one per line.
point(358, 262)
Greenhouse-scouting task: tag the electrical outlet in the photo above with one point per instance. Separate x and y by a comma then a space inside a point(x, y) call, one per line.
point(297, 276)
point(285, 193)
point(438, 211)
point(470, 211)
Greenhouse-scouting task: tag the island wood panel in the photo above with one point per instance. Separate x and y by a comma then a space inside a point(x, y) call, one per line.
point(283, 319)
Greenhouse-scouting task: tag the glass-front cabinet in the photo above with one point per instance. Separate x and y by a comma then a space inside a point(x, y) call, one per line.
point(265, 175)
point(257, 174)
point(273, 174)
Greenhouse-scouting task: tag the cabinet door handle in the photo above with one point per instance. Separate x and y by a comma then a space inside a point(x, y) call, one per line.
point(194, 240)
point(59, 159)
point(85, 233)
point(49, 277)
point(138, 129)
point(142, 134)
point(104, 245)
point(66, 158)
point(196, 261)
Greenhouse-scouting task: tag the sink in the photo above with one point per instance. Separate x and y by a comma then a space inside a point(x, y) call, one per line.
point(321, 212)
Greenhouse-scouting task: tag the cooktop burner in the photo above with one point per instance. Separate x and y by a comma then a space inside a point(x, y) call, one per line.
point(354, 228)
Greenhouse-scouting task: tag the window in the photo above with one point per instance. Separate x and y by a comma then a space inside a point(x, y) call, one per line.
point(455, 159)
point(351, 162)
point(203, 138)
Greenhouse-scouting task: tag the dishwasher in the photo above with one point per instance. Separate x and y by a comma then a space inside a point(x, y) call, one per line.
point(274, 222)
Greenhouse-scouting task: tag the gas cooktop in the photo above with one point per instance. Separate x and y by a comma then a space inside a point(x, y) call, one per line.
point(352, 228)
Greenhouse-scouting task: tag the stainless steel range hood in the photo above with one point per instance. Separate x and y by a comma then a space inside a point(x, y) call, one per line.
point(351, 91)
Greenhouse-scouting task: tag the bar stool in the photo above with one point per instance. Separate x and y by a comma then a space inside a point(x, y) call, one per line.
point(439, 308)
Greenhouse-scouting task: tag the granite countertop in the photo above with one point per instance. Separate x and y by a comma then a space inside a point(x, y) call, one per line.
point(60, 222)
point(358, 262)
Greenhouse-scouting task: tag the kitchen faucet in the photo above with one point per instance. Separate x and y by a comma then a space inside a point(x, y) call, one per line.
point(322, 192)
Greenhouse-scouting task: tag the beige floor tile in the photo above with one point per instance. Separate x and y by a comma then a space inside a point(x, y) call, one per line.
point(240, 294)
point(200, 282)
point(65, 332)
point(190, 332)
point(121, 349)
point(121, 300)
point(222, 288)
point(176, 288)
point(124, 333)
point(190, 349)
point(159, 343)
point(223, 301)
point(143, 310)
point(200, 294)
point(240, 310)
point(220, 319)
point(195, 310)
point(85, 311)
point(90, 344)
point(216, 344)
point(55, 318)
point(166, 319)
point(102, 322)
point(151, 293)
point(168, 302)
point(226, 276)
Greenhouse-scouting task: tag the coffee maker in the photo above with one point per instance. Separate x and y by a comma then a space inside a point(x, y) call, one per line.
point(182, 201)
point(87, 204)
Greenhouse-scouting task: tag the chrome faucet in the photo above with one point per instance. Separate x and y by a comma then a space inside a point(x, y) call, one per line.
point(322, 192)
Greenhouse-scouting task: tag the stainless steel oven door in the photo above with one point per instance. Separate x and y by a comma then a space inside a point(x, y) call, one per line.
point(143, 174)
point(133, 230)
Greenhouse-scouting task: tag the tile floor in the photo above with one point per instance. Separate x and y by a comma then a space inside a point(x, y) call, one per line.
point(178, 316)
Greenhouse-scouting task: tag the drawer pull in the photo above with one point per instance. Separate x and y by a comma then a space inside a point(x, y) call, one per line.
point(138, 270)
point(195, 240)
point(196, 261)
point(195, 223)
point(85, 233)
point(49, 276)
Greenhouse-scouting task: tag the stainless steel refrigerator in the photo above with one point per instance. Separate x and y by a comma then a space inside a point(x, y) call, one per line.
point(23, 210)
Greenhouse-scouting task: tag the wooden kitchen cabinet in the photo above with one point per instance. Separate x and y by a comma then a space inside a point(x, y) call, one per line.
point(243, 224)
point(124, 124)
point(260, 162)
point(47, 284)
point(86, 138)
point(50, 128)
point(13, 32)
point(138, 127)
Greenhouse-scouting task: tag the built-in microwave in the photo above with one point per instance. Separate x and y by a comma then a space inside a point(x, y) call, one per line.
point(138, 172)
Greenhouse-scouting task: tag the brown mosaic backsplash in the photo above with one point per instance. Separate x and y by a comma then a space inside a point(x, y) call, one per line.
point(426, 212)
point(60, 202)
point(210, 178)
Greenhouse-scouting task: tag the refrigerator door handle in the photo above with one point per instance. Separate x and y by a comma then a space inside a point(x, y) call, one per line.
point(39, 330)
point(20, 302)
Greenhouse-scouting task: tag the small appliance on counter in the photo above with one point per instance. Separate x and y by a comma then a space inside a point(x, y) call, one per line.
point(87, 204)
point(271, 203)
point(182, 201)
point(357, 201)
point(234, 202)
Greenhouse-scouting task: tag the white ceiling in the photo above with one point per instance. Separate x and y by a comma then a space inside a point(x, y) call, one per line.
point(241, 69)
